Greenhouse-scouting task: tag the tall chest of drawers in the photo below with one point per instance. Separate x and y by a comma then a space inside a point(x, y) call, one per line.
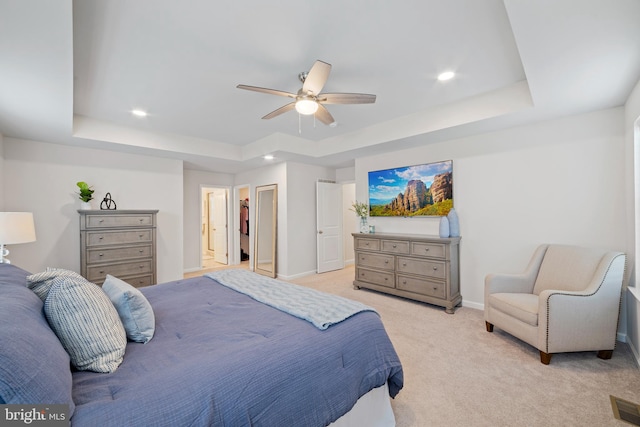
point(419, 267)
point(121, 243)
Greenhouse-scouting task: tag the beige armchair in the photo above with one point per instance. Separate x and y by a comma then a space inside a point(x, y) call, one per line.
point(568, 299)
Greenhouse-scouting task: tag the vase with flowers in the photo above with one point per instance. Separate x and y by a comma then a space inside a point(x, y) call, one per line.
point(362, 210)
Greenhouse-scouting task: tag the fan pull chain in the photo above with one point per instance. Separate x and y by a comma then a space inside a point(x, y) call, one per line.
point(300, 123)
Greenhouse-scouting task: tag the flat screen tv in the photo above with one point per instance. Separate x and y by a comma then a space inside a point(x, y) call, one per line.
point(421, 190)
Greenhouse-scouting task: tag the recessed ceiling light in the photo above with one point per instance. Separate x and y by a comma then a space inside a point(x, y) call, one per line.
point(139, 113)
point(268, 157)
point(447, 75)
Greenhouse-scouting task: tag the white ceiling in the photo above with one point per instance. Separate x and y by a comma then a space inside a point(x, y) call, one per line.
point(71, 72)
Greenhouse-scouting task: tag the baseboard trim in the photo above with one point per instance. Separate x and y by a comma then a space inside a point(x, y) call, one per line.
point(636, 354)
point(471, 304)
point(296, 276)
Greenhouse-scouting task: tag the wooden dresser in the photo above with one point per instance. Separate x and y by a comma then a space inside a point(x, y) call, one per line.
point(420, 267)
point(121, 243)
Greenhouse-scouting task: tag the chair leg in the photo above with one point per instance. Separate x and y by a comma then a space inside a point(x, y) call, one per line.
point(489, 326)
point(605, 354)
point(545, 358)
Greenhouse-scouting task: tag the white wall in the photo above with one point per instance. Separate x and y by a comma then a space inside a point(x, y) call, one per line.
point(193, 181)
point(632, 145)
point(1, 172)
point(349, 221)
point(41, 178)
point(301, 217)
point(559, 181)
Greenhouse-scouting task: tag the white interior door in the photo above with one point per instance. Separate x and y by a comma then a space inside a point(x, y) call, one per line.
point(219, 220)
point(329, 222)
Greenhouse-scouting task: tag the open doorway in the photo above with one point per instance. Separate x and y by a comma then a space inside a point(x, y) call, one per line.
point(214, 227)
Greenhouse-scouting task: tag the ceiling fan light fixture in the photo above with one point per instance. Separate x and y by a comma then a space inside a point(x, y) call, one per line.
point(306, 107)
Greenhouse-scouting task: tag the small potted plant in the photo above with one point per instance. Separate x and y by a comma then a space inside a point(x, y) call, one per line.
point(85, 194)
point(362, 210)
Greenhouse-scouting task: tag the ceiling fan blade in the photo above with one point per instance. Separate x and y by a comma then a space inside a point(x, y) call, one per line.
point(317, 77)
point(346, 98)
point(290, 106)
point(265, 90)
point(324, 115)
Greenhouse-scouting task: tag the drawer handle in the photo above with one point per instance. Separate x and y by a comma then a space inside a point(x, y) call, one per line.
point(404, 264)
point(101, 271)
point(102, 220)
point(140, 251)
point(100, 238)
point(386, 261)
point(141, 266)
point(426, 249)
point(100, 254)
point(395, 246)
point(385, 279)
point(404, 282)
point(366, 244)
point(141, 219)
point(140, 235)
point(435, 268)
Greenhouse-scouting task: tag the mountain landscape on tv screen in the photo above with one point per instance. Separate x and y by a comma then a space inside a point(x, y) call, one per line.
point(428, 196)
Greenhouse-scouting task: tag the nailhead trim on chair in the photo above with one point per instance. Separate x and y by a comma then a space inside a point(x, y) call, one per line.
point(605, 275)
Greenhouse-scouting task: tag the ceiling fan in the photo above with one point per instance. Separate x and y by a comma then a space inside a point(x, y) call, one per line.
point(309, 100)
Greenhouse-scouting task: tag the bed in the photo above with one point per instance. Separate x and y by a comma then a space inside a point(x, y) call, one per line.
point(218, 357)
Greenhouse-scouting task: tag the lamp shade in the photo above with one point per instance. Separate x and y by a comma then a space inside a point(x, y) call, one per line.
point(16, 227)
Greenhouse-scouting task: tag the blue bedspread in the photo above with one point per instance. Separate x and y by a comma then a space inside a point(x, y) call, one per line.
point(219, 358)
point(319, 308)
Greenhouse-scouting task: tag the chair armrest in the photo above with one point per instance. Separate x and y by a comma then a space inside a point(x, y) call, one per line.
point(586, 319)
point(512, 283)
point(516, 283)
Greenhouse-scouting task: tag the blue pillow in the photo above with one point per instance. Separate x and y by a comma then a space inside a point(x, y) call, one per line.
point(133, 308)
point(34, 367)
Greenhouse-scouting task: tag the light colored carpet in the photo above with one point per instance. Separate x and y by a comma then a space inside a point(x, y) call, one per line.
point(457, 374)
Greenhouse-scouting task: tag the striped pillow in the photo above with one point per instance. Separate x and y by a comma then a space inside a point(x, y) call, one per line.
point(41, 283)
point(86, 323)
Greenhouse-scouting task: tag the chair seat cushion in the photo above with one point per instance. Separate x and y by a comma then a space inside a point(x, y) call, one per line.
point(523, 307)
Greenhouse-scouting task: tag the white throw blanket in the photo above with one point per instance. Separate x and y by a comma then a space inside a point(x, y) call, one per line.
point(319, 308)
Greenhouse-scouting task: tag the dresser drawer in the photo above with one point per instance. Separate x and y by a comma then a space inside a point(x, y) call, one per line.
point(120, 220)
point(370, 244)
point(424, 286)
point(381, 261)
point(376, 277)
point(98, 273)
point(395, 246)
point(423, 267)
point(98, 238)
point(434, 250)
point(136, 282)
point(97, 255)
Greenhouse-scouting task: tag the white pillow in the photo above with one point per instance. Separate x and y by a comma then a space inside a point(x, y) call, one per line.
point(133, 308)
point(86, 323)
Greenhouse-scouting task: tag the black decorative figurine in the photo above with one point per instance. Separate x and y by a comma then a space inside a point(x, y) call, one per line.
point(107, 203)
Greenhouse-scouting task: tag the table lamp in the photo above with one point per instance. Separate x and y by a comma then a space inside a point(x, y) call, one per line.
point(15, 227)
